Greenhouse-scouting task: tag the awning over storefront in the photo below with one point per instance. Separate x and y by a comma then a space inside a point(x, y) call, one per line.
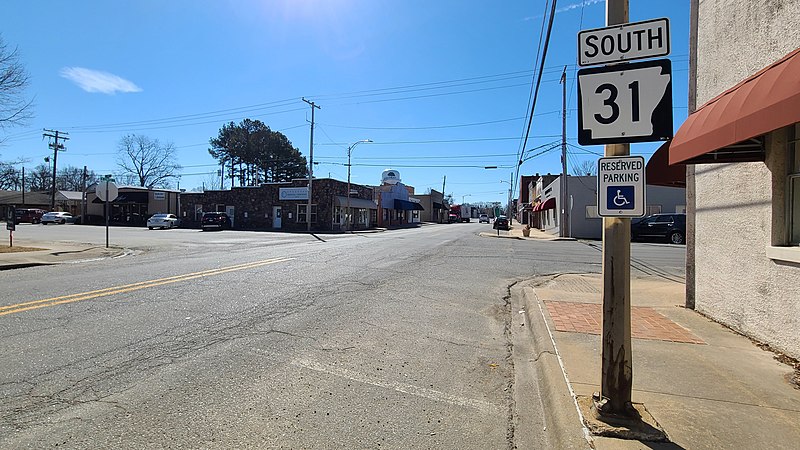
point(527, 207)
point(357, 203)
point(729, 128)
point(407, 206)
point(550, 203)
point(438, 206)
point(658, 172)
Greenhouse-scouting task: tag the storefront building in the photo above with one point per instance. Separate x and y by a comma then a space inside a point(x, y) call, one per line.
point(133, 205)
point(284, 206)
point(740, 145)
point(396, 204)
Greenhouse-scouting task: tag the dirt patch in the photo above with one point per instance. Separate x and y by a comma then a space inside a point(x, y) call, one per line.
point(18, 249)
point(794, 379)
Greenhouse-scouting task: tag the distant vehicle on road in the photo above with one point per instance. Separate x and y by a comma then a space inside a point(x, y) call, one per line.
point(28, 215)
point(162, 221)
point(56, 217)
point(501, 223)
point(461, 211)
point(452, 218)
point(215, 221)
point(669, 226)
point(483, 218)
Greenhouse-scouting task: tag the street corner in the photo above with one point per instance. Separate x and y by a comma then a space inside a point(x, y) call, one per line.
point(43, 254)
point(506, 235)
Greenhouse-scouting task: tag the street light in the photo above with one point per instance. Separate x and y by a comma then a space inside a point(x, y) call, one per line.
point(349, 153)
point(510, 187)
point(465, 196)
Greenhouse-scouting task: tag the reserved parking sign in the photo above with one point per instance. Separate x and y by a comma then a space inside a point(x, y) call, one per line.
point(621, 186)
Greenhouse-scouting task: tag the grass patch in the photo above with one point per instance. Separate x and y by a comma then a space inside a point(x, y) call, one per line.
point(18, 249)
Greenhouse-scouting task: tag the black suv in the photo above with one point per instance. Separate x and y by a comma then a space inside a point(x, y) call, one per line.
point(215, 221)
point(669, 226)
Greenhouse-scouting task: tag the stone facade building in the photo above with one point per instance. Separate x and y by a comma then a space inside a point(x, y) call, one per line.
point(282, 206)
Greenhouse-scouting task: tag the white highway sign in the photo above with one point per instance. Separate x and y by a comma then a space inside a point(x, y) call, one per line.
point(624, 42)
point(625, 103)
point(620, 186)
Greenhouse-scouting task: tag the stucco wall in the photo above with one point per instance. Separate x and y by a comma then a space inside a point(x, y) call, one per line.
point(736, 283)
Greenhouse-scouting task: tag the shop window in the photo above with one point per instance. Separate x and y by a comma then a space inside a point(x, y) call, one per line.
point(653, 209)
point(302, 216)
point(793, 192)
point(337, 214)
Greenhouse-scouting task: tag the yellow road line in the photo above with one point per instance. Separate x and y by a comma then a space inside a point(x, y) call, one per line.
point(53, 301)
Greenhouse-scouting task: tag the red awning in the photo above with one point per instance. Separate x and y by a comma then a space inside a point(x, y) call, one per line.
point(659, 172)
point(550, 203)
point(728, 128)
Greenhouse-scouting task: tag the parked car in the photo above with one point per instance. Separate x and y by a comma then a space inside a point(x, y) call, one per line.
point(162, 221)
point(501, 223)
point(483, 218)
point(91, 219)
point(215, 221)
point(669, 226)
point(56, 217)
point(29, 215)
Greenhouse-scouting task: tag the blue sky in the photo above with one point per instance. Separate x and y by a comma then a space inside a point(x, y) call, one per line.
point(441, 87)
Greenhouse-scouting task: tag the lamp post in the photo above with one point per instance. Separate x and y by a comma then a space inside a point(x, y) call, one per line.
point(510, 187)
point(349, 153)
point(465, 196)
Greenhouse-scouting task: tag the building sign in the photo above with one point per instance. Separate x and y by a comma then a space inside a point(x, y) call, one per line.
point(620, 186)
point(298, 193)
point(159, 195)
point(624, 42)
point(625, 103)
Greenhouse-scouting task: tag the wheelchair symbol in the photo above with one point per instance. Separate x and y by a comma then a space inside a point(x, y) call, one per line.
point(620, 199)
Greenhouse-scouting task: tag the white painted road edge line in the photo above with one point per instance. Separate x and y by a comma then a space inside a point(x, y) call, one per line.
point(586, 433)
point(431, 394)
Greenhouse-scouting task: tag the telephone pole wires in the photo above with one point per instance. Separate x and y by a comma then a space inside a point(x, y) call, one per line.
point(55, 135)
point(310, 161)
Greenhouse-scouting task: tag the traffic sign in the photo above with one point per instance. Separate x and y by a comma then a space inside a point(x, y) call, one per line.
point(624, 42)
point(625, 103)
point(104, 187)
point(621, 186)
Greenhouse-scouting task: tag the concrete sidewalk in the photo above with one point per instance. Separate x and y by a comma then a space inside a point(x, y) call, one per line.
point(706, 386)
point(516, 233)
point(54, 253)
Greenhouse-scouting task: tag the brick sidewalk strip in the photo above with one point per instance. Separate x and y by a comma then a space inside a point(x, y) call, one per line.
point(646, 323)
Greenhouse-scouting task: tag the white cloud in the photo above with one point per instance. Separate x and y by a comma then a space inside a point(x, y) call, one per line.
point(570, 7)
point(96, 81)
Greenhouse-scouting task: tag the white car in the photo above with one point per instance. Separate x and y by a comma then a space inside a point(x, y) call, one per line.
point(162, 221)
point(56, 217)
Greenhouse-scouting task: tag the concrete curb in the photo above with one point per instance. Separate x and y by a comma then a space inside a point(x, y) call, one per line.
point(59, 255)
point(563, 427)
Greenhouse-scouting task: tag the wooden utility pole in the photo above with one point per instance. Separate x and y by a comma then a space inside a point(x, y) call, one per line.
point(564, 230)
point(617, 365)
point(55, 135)
point(311, 162)
point(83, 197)
point(23, 185)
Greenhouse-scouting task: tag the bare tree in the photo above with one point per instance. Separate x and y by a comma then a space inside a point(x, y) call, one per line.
point(9, 177)
point(70, 178)
point(40, 178)
point(151, 162)
point(585, 168)
point(15, 109)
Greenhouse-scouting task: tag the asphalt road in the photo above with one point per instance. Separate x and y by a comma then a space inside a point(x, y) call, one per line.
point(234, 339)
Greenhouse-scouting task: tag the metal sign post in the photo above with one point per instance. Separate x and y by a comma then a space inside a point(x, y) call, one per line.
point(11, 224)
point(107, 191)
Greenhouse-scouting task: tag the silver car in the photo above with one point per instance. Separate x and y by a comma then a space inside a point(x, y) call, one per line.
point(56, 217)
point(162, 221)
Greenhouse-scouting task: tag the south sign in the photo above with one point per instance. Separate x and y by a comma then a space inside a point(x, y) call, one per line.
point(624, 42)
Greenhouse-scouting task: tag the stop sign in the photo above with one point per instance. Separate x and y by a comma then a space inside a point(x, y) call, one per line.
point(106, 187)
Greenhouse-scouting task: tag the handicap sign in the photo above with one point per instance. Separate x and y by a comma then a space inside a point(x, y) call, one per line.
point(621, 186)
point(620, 197)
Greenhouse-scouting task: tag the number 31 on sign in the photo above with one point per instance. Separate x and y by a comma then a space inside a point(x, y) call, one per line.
point(625, 103)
